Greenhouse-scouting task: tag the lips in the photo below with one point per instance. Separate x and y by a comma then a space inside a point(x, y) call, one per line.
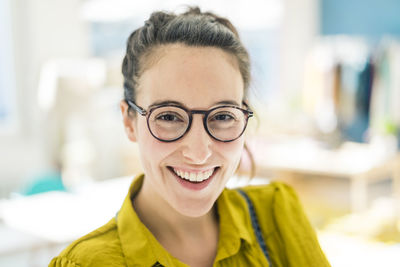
point(194, 176)
point(194, 179)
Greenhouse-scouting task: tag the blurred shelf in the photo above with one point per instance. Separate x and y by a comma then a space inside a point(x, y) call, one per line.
point(361, 164)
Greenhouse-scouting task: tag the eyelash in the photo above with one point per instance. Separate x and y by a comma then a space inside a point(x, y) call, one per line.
point(162, 117)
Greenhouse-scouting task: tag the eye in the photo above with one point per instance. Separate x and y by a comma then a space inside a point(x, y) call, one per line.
point(169, 117)
point(223, 117)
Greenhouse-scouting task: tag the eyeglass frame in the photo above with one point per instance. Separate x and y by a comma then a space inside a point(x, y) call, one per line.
point(190, 112)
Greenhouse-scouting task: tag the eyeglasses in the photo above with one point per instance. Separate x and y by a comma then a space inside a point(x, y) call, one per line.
point(169, 122)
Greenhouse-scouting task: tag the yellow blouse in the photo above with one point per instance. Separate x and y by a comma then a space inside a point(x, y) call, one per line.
point(290, 239)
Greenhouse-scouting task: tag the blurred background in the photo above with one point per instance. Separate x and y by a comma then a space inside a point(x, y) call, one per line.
point(326, 90)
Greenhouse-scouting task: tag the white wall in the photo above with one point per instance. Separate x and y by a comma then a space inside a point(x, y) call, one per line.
point(299, 29)
point(42, 29)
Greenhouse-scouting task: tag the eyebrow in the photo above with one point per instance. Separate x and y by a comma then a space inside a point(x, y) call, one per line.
point(172, 102)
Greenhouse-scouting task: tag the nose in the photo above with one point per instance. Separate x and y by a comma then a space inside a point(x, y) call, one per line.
point(197, 142)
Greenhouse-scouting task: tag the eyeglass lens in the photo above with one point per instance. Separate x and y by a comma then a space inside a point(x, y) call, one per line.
point(169, 123)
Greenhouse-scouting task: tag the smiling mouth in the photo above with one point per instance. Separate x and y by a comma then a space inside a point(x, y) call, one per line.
point(193, 177)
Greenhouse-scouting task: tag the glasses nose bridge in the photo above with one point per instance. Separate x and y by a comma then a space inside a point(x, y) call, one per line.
point(198, 111)
point(201, 112)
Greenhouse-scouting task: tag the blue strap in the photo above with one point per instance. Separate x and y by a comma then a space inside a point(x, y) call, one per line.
point(256, 226)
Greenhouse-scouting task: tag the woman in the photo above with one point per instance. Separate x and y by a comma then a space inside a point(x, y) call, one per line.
point(186, 82)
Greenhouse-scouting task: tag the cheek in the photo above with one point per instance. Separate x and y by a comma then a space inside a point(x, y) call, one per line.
point(231, 152)
point(152, 151)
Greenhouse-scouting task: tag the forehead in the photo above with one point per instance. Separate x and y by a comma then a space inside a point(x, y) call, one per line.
point(195, 76)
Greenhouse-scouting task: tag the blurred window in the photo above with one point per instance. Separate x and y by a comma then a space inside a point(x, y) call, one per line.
point(7, 80)
point(259, 25)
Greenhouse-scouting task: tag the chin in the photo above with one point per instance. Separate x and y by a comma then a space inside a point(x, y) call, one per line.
point(194, 209)
point(197, 204)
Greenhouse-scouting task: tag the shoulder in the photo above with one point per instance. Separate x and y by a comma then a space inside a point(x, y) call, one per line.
point(277, 194)
point(278, 201)
point(281, 214)
point(275, 204)
point(93, 249)
point(267, 194)
point(270, 189)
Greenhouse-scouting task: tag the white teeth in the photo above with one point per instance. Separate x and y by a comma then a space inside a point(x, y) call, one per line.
point(194, 176)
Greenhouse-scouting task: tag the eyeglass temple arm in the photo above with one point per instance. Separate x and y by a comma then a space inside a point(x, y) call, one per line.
point(250, 112)
point(140, 110)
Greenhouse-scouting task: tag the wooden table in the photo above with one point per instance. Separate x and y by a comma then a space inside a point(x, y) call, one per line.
point(360, 163)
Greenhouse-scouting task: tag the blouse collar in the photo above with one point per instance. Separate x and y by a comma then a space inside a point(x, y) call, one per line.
point(140, 247)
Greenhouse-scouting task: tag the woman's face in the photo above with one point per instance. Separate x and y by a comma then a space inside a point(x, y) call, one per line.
point(197, 78)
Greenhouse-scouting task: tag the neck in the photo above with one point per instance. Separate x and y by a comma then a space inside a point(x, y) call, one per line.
point(167, 224)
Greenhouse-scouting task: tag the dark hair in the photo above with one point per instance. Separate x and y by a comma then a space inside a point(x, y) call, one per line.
point(192, 28)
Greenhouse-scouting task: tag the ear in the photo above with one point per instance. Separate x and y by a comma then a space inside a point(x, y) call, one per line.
point(129, 121)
